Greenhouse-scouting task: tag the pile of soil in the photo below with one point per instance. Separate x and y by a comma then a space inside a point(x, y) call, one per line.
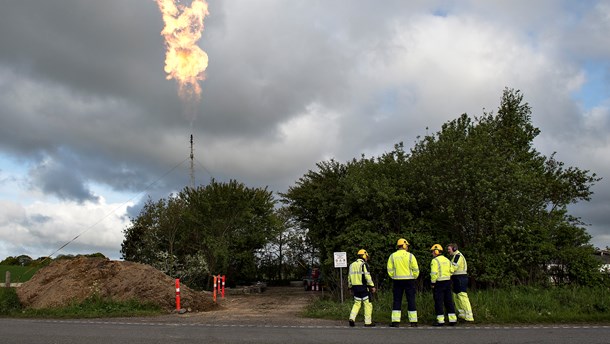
point(73, 280)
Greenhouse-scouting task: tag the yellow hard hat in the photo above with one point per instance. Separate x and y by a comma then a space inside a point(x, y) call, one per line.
point(436, 248)
point(362, 253)
point(402, 243)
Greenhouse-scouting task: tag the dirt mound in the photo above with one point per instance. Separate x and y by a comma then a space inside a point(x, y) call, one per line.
point(74, 280)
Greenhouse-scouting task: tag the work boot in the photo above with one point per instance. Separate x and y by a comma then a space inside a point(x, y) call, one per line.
point(413, 324)
point(438, 324)
point(351, 323)
point(395, 324)
point(370, 325)
point(452, 323)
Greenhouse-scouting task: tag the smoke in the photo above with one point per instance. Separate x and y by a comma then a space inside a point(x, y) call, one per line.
point(184, 60)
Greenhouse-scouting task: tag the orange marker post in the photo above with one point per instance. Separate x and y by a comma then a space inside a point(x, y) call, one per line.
point(177, 294)
point(222, 293)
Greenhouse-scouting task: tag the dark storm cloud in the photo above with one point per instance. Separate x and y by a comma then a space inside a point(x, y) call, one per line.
point(84, 103)
point(62, 180)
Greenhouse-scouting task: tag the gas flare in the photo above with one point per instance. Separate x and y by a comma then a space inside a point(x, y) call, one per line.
point(184, 60)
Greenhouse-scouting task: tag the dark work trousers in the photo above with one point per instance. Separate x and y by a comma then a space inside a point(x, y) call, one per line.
point(442, 296)
point(407, 287)
point(460, 283)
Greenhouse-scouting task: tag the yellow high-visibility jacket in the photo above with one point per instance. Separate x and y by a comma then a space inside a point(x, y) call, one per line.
point(440, 269)
point(359, 274)
point(459, 263)
point(402, 265)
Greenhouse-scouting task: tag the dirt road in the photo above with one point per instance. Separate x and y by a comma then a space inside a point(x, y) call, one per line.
point(274, 306)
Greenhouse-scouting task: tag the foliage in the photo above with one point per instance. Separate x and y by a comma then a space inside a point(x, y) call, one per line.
point(203, 231)
point(510, 305)
point(288, 254)
point(22, 260)
point(478, 182)
point(9, 302)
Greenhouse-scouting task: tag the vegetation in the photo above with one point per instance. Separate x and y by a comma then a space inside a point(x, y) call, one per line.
point(19, 274)
point(512, 305)
point(477, 182)
point(94, 307)
point(204, 231)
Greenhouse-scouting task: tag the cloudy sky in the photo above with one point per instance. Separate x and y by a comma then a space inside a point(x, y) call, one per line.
point(90, 127)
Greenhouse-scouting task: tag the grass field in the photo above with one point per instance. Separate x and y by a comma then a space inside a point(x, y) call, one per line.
point(519, 305)
point(19, 274)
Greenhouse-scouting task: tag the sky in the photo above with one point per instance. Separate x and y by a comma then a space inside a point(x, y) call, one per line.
point(91, 128)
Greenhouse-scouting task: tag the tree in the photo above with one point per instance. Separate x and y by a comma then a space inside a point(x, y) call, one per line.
point(288, 254)
point(495, 194)
point(364, 203)
point(203, 231)
point(478, 182)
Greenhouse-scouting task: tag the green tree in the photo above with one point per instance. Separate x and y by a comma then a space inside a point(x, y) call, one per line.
point(364, 203)
point(478, 182)
point(288, 254)
point(203, 231)
point(486, 187)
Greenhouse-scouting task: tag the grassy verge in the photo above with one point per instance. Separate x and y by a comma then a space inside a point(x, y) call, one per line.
point(93, 307)
point(504, 306)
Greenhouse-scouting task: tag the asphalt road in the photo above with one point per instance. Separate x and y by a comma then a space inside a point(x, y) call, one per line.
point(135, 331)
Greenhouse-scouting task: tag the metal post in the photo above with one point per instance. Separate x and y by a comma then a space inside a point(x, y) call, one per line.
point(341, 280)
point(7, 279)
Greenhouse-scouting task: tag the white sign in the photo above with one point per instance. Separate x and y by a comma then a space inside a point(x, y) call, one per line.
point(340, 259)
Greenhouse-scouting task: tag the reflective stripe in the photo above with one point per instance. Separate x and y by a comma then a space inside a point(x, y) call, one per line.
point(361, 298)
point(396, 316)
point(412, 316)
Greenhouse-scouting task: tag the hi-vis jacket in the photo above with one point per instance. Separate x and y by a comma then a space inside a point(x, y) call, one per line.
point(459, 263)
point(359, 275)
point(402, 265)
point(440, 269)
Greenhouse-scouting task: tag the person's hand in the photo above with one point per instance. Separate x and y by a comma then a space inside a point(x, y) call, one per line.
point(373, 290)
point(432, 285)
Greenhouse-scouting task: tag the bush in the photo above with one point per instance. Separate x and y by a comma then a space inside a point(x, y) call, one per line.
point(9, 302)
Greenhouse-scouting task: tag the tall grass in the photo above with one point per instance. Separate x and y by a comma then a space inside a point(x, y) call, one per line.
point(518, 305)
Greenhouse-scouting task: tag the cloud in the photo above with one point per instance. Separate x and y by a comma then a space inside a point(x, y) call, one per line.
point(87, 112)
point(39, 229)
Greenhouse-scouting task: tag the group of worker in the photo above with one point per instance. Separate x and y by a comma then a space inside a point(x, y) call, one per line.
point(447, 277)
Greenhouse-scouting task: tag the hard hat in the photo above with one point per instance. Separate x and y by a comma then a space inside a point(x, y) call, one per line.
point(436, 248)
point(362, 253)
point(402, 243)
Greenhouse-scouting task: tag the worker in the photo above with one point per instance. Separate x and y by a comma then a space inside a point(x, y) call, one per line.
point(440, 279)
point(403, 270)
point(459, 280)
point(361, 286)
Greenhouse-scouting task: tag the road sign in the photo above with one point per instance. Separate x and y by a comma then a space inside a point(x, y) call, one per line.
point(340, 259)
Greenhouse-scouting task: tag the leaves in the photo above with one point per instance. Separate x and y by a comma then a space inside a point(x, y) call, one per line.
point(203, 231)
point(478, 182)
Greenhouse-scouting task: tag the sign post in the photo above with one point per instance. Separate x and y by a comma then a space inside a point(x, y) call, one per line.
point(341, 262)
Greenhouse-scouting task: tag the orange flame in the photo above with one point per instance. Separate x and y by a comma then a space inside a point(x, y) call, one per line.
point(184, 60)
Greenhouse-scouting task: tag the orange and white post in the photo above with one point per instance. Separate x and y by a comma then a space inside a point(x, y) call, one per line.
point(223, 287)
point(219, 286)
point(177, 294)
